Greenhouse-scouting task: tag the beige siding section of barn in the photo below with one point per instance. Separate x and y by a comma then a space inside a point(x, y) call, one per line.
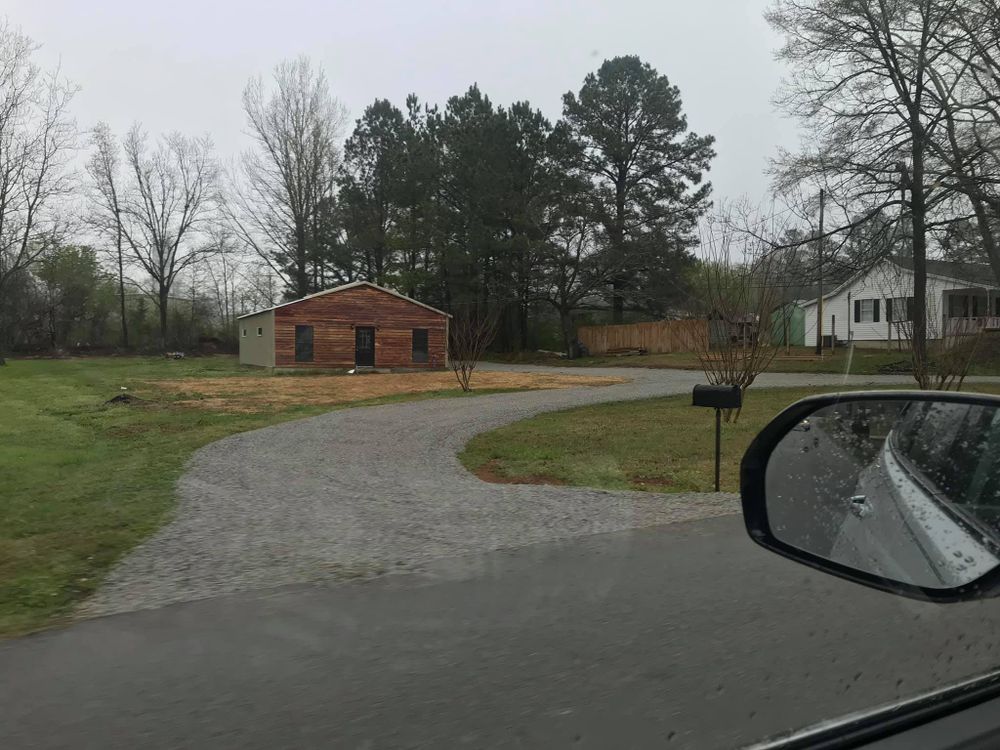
point(659, 337)
point(254, 349)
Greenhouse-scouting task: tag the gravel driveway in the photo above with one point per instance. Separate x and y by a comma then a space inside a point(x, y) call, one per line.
point(374, 489)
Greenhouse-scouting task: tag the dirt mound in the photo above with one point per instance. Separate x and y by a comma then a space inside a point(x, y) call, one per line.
point(125, 399)
point(901, 367)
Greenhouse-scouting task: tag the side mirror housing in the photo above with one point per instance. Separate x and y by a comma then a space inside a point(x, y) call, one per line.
point(896, 490)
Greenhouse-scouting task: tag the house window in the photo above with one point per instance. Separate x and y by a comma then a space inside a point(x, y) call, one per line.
point(244, 333)
point(260, 331)
point(900, 309)
point(303, 343)
point(866, 311)
point(964, 305)
point(419, 344)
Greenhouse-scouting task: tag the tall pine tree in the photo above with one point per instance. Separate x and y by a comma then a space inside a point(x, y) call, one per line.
point(646, 168)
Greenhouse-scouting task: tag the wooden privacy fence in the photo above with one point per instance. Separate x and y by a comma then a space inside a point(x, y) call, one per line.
point(660, 337)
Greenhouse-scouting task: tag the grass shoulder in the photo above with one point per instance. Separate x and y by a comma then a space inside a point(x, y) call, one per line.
point(84, 481)
point(656, 445)
point(856, 361)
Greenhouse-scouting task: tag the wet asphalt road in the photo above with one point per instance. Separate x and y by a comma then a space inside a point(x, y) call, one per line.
point(686, 635)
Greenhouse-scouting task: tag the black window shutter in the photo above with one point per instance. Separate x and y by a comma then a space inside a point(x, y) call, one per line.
point(909, 308)
point(857, 311)
point(875, 317)
point(888, 310)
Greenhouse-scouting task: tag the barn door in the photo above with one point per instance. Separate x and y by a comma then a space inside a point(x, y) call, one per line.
point(364, 346)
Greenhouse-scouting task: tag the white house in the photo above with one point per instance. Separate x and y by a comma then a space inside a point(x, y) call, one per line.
point(876, 307)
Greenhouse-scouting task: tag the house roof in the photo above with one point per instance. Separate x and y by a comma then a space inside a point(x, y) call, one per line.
point(969, 273)
point(806, 301)
point(342, 288)
point(974, 273)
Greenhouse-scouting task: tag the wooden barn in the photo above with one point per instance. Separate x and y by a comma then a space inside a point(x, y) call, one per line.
point(355, 325)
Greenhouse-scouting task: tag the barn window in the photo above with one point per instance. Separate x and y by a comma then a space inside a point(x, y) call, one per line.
point(419, 344)
point(244, 333)
point(303, 343)
point(260, 331)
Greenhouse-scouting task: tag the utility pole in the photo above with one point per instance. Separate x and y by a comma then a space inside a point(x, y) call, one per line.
point(819, 299)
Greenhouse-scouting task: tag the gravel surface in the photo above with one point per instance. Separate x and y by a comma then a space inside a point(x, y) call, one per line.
point(364, 491)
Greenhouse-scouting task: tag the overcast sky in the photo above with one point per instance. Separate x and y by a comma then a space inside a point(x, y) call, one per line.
point(183, 64)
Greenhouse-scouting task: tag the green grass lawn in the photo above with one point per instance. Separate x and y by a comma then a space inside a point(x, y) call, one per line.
point(658, 445)
point(857, 362)
point(82, 482)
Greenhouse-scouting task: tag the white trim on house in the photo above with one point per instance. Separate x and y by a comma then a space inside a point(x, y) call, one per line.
point(342, 288)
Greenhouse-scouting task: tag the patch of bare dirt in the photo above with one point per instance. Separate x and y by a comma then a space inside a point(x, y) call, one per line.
point(270, 393)
point(126, 399)
point(490, 472)
point(642, 482)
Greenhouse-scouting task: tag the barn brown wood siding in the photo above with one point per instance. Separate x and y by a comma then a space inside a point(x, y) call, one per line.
point(334, 318)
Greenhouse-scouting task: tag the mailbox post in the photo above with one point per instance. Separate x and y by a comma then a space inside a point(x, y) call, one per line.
point(718, 397)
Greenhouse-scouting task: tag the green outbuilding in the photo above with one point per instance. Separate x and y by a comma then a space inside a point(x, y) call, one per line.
point(788, 326)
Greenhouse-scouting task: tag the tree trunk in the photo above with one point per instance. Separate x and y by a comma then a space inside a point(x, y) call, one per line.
point(987, 236)
point(569, 333)
point(918, 210)
point(523, 321)
point(52, 326)
point(617, 303)
point(121, 285)
point(618, 244)
point(164, 296)
point(4, 337)
point(978, 207)
point(301, 262)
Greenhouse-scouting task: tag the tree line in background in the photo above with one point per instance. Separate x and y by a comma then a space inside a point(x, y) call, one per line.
point(470, 205)
point(494, 208)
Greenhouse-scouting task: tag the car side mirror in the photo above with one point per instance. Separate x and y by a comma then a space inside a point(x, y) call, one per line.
point(896, 490)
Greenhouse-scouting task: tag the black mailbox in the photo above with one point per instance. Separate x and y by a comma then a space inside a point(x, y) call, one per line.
point(718, 396)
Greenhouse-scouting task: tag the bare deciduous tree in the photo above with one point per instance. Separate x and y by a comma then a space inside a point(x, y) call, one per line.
point(235, 280)
point(259, 287)
point(282, 185)
point(862, 85)
point(739, 287)
point(966, 91)
point(106, 216)
point(36, 139)
point(171, 194)
point(470, 331)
